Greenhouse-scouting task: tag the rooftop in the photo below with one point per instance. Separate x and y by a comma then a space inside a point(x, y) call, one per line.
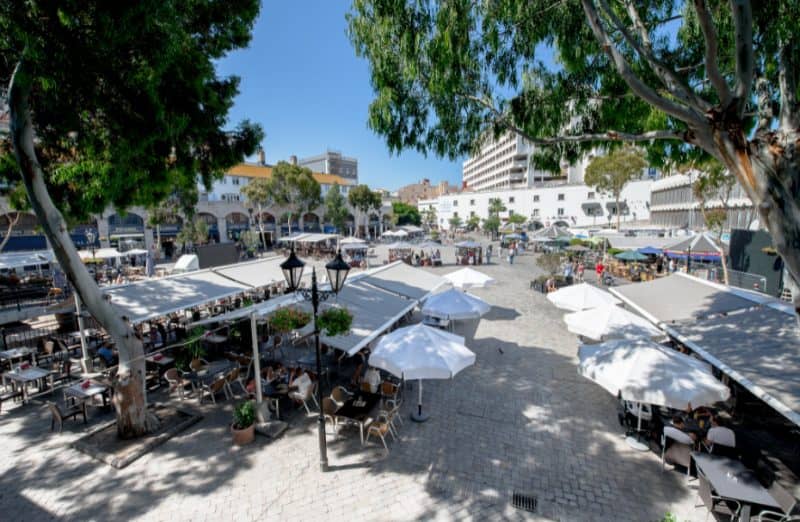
point(250, 170)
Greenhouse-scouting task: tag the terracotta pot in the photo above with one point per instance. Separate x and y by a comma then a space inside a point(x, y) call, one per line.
point(245, 436)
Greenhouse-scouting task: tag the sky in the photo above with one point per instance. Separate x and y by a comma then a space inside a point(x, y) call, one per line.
point(301, 80)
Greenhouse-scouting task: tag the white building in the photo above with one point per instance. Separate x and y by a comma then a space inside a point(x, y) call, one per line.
point(502, 164)
point(332, 162)
point(574, 205)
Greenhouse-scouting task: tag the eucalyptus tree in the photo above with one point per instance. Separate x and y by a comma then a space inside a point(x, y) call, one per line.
point(118, 103)
point(684, 78)
point(295, 189)
point(258, 193)
point(611, 172)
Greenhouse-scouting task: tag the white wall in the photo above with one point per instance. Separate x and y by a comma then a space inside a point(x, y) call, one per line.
point(546, 210)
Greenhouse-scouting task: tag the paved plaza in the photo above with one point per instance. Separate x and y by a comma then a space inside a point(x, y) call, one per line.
point(521, 419)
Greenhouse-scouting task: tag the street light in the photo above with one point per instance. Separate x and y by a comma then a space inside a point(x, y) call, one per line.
point(90, 237)
point(337, 274)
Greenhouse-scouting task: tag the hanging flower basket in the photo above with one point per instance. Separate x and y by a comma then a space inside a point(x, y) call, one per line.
point(287, 319)
point(335, 321)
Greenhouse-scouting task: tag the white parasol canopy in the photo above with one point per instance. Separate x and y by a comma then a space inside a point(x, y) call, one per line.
point(469, 278)
point(455, 305)
point(646, 372)
point(610, 322)
point(581, 297)
point(421, 352)
point(350, 240)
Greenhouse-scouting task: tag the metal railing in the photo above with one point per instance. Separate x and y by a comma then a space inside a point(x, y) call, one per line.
point(746, 280)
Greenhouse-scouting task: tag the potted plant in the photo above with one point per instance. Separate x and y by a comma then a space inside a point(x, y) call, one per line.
point(336, 320)
point(195, 347)
point(243, 428)
point(287, 319)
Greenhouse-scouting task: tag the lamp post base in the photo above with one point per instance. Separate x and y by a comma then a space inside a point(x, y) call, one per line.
point(636, 444)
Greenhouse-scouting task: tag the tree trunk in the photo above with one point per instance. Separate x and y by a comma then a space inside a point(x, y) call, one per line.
point(11, 225)
point(289, 222)
point(767, 168)
point(158, 240)
point(261, 227)
point(616, 209)
point(130, 399)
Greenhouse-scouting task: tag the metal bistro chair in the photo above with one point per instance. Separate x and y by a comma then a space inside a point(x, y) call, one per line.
point(212, 389)
point(790, 507)
point(380, 427)
point(71, 412)
point(177, 382)
point(715, 504)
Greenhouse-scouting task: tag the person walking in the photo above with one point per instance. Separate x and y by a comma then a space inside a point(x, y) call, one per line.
point(488, 254)
point(511, 253)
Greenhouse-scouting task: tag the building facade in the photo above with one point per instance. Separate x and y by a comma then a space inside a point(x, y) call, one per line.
point(573, 205)
point(332, 162)
point(673, 204)
point(423, 190)
point(502, 164)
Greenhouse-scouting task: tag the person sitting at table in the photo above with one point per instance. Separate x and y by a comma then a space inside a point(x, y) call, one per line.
point(299, 386)
point(550, 285)
point(701, 414)
point(720, 440)
point(679, 453)
point(107, 355)
point(373, 378)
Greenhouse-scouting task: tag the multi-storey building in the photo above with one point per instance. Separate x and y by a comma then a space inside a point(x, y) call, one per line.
point(574, 205)
point(423, 190)
point(332, 162)
point(502, 164)
point(673, 204)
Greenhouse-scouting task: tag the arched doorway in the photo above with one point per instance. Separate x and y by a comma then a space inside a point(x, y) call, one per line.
point(126, 230)
point(81, 233)
point(311, 222)
point(165, 233)
point(284, 224)
point(212, 224)
point(349, 225)
point(374, 225)
point(235, 224)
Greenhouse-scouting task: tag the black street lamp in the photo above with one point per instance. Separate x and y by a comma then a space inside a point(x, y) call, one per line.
point(337, 273)
point(90, 239)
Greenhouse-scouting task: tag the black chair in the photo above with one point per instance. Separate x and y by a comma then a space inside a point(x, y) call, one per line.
point(15, 394)
point(70, 412)
point(716, 505)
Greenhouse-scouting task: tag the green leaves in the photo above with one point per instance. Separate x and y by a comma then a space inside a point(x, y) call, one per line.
point(294, 188)
point(364, 199)
point(611, 172)
point(336, 211)
point(405, 214)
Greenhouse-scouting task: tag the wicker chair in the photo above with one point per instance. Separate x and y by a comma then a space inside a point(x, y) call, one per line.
point(71, 412)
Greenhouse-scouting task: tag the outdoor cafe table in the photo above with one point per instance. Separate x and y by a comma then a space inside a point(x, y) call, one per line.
point(17, 353)
point(25, 377)
point(210, 373)
point(162, 361)
point(358, 408)
point(82, 395)
point(732, 480)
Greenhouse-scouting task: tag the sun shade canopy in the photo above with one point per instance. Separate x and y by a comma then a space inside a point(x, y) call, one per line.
point(404, 280)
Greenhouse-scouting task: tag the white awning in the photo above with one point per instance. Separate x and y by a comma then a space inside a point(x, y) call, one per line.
point(315, 238)
point(153, 298)
point(21, 259)
point(405, 280)
point(261, 272)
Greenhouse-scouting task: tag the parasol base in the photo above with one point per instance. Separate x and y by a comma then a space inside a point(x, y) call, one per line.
point(419, 417)
point(636, 444)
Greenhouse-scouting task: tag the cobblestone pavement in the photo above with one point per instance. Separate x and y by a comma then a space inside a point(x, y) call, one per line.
point(519, 419)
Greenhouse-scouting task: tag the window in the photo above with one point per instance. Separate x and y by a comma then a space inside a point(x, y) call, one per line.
point(455, 214)
point(536, 212)
point(590, 195)
point(560, 212)
point(471, 213)
point(235, 180)
point(455, 202)
point(511, 199)
point(561, 197)
point(472, 202)
point(510, 213)
point(535, 198)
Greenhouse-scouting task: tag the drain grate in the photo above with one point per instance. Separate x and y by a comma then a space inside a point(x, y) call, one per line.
point(524, 501)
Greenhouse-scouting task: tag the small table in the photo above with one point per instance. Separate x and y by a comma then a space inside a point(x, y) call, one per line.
point(210, 373)
point(358, 408)
point(17, 353)
point(215, 338)
point(83, 395)
point(161, 361)
point(25, 377)
point(731, 479)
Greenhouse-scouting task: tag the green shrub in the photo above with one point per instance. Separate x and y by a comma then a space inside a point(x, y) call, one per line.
point(244, 415)
point(335, 321)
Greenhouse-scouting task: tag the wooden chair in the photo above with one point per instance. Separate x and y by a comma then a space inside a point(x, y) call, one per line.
point(340, 395)
point(213, 389)
point(380, 428)
point(10, 394)
point(177, 382)
point(71, 412)
point(232, 379)
point(329, 408)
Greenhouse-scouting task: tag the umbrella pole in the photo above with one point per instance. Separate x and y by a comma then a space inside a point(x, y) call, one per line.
point(418, 416)
point(261, 412)
point(634, 442)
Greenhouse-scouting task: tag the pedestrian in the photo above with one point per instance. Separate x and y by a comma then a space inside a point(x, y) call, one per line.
point(511, 252)
point(581, 268)
point(599, 268)
point(488, 254)
point(671, 266)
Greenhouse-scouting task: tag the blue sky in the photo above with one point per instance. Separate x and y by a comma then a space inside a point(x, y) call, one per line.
point(301, 80)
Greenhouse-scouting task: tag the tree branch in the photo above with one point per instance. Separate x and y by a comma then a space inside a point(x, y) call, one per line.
point(612, 135)
point(712, 48)
point(671, 81)
point(634, 82)
point(765, 111)
point(788, 117)
point(11, 224)
point(742, 13)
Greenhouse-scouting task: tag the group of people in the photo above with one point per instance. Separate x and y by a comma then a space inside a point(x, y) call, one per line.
point(423, 259)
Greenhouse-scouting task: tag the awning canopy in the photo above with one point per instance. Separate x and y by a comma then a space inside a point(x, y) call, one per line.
point(699, 246)
point(315, 238)
point(153, 298)
point(404, 280)
point(22, 259)
point(468, 244)
point(759, 348)
point(680, 297)
point(293, 237)
point(258, 273)
point(374, 311)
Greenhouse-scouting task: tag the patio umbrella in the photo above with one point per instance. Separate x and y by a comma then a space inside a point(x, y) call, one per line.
point(429, 244)
point(581, 297)
point(577, 248)
point(651, 251)
point(631, 255)
point(609, 322)
point(646, 372)
point(468, 278)
point(455, 305)
point(350, 240)
point(400, 233)
point(421, 352)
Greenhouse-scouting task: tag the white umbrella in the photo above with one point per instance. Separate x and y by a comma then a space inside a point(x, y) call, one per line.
point(455, 305)
point(468, 278)
point(581, 297)
point(609, 322)
point(400, 233)
point(350, 240)
point(421, 352)
point(645, 372)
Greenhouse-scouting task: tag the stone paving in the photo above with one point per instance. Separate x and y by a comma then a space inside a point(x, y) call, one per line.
point(521, 419)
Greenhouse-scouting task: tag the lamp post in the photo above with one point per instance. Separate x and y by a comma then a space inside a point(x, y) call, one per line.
point(90, 239)
point(337, 273)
